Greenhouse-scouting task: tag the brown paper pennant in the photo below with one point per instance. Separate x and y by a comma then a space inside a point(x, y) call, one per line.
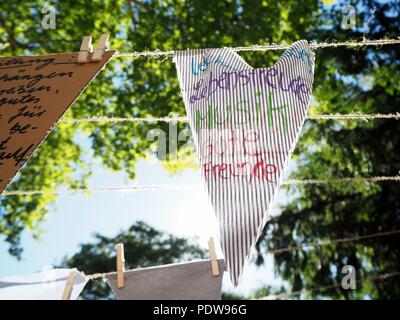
point(35, 92)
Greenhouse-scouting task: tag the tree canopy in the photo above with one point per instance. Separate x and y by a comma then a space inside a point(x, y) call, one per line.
point(347, 80)
point(127, 88)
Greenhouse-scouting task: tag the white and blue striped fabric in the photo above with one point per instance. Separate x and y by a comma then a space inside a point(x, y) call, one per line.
point(245, 123)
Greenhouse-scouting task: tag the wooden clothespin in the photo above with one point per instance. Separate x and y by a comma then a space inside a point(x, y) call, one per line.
point(120, 265)
point(86, 48)
point(68, 286)
point(102, 46)
point(213, 258)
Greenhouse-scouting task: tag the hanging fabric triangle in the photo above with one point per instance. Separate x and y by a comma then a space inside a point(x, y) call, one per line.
point(35, 91)
point(245, 124)
point(180, 281)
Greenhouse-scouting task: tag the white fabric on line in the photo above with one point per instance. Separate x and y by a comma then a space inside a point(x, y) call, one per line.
point(45, 285)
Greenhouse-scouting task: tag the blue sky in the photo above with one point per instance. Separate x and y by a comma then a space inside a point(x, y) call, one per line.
point(77, 217)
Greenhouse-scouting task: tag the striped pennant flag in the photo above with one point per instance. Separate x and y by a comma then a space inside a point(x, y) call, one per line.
point(245, 124)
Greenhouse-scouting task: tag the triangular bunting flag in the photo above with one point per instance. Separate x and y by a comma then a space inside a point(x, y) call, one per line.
point(245, 124)
point(180, 281)
point(35, 91)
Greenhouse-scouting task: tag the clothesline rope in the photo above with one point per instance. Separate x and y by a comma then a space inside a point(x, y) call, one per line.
point(322, 288)
point(304, 246)
point(317, 244)
point(350, 116)
point(196, 186)
point(351, 43)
